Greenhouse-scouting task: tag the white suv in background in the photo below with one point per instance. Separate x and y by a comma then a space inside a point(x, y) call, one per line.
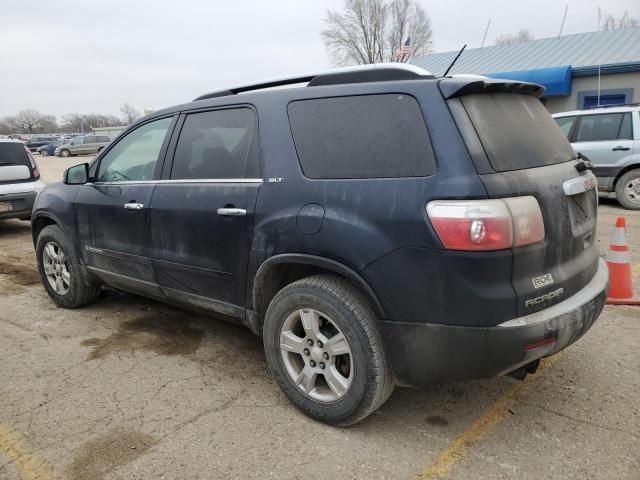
point(610, 138)
point(19, 180)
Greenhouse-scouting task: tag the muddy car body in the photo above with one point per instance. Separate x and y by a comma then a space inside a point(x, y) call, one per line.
point(378, 226)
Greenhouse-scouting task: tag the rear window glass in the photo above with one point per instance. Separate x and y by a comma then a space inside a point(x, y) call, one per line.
point(13, 154)
point(516, 131)
point(368, 136)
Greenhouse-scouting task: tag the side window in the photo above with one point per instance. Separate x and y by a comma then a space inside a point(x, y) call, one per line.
point(598, 128)
point(367, 136)
point(103, 139)
point(626, 131)
point(217, 144)
point(565, 124)
point(90, 140)
point(134, 157)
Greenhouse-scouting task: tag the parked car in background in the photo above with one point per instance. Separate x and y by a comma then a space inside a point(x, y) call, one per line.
point(378, 227)
point(19, 180)
point(37, 141)
point(610, 138)
point(49, 148)
point(83, 145)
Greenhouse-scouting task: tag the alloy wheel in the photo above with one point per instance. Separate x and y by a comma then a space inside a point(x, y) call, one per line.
point(56, 268)
point(316, 355)
point(632, 190)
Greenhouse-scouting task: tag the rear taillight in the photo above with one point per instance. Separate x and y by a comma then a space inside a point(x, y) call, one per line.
point(487, 224)
point(34, 165)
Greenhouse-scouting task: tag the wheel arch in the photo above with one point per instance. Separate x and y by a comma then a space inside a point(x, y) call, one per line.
point(623, 170)
point(280, 270)
point(39, 222)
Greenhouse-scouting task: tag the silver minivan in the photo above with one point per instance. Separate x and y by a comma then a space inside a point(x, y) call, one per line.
point(83, 145)
point(610, 138)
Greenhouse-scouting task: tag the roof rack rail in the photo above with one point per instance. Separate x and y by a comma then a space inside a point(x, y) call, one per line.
point(635, 104)
point(378, 72)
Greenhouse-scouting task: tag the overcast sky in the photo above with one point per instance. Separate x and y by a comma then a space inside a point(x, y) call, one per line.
point(79, 56)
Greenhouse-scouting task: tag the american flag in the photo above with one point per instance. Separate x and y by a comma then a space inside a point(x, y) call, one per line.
point(405, 49)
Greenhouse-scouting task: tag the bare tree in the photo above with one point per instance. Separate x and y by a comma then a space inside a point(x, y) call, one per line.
point(519, 37)
point(27, 121)
point(372, 31)
point(609, 22)
point(79, 122)
point(129, 112)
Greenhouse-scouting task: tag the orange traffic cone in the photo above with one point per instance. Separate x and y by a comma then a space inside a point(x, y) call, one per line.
point(619, 262)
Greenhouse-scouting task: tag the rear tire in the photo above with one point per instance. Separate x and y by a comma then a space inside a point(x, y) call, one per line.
point(64, 278)
point(317, 376)
point(628, 190)
point(44, 153)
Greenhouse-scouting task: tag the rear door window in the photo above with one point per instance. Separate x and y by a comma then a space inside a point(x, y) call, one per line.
point(367, 136)
point(219, 144)
point(602, 127)
point(516, 131)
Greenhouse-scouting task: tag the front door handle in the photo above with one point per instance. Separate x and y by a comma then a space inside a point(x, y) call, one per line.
point(621, 149)
point(232, 212)
point(133, 206)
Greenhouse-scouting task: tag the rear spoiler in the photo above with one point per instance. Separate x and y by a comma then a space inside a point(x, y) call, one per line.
point(456, 86)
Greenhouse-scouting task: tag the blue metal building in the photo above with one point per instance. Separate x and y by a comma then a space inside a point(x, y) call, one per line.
point(578, 71)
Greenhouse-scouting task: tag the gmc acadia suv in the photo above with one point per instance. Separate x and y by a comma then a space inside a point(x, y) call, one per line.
point(377, 227)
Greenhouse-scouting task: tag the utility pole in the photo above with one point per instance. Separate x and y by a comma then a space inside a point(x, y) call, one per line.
point(564, 17)
point(486, 30)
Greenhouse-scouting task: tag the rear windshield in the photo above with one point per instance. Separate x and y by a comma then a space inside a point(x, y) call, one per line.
point(13, 154)
point(516, 131)
point(366, 136)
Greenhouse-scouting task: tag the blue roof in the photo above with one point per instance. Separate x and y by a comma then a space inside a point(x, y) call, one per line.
point(582, 51)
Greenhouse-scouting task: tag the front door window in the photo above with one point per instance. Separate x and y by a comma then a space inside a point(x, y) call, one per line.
point(134, 157)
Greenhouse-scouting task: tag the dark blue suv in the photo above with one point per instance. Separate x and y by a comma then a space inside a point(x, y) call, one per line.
point(377, 227)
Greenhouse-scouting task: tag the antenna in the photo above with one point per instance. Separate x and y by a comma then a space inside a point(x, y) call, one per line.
point(486, 30)
point(455, 60)
point(564, 17)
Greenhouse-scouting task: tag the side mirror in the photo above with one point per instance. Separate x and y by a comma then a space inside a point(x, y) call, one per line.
point(77, 175)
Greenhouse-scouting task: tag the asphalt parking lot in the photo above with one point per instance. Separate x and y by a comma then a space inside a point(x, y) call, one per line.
point(128, 388)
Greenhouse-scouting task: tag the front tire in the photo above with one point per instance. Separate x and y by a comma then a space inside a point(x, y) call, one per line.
point(628, 190)
point(65, 153)
point(64, 278)
point(323, 347)
point(44, 153)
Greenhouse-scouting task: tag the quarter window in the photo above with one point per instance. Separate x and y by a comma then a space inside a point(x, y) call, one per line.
point(367, 136)
point(565, 124)
point(603, 127)
point(134, 157)
point(217, 144)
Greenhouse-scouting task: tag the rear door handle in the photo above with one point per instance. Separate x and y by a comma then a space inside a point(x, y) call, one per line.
point(621, 149)
point(232, 212)
point(133, 206)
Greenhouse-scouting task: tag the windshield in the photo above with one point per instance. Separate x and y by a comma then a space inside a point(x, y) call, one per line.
point(516, 131)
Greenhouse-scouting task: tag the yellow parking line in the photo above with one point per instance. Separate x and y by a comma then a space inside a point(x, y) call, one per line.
point(27, 462)
point(484, 425)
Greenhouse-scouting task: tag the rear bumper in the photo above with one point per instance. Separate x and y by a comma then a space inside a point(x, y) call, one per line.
point(423, 353)
point(21, 203)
